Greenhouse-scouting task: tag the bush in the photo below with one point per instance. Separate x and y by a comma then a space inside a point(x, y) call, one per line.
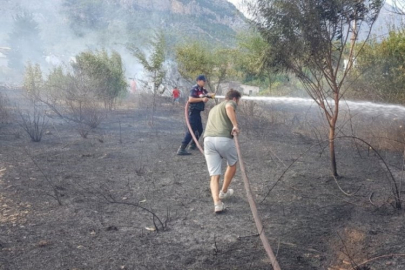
point(380, 70)
point(82, 94)
point(102, 74)
point(33, 122)
point(71, 97)
point(254, 119)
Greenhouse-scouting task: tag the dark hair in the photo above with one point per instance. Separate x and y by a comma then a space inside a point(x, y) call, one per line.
point(232, 94)
point(200, 78)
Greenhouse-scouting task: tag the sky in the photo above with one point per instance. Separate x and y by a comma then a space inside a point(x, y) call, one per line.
point(240, 5)
point(235, 2)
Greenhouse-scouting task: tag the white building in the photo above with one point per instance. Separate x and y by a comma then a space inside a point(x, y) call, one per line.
point(245, 89)
point(250, 90)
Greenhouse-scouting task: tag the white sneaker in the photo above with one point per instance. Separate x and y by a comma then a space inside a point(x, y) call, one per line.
point(219, 207)
point(223, 195)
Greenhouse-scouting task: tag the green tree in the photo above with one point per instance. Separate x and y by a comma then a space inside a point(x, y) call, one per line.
point(155, 64)
point(33, 81)
point(251, 57)
point(381, 69)
point(24, 41)
point(196, 58)
point(33, 120)
point(77, 94)
point(103, 74)
point(309, 39)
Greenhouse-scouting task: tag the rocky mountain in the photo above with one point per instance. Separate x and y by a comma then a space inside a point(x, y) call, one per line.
point(122, 21)
point(67, 27)
point(219, 11)
point(214, 20)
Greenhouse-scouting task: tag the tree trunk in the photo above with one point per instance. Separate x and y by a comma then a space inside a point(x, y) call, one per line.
point(332, 128)
point(270, 82)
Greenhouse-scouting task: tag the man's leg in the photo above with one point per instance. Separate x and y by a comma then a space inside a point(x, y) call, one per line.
point(229, 174)
point(193, 145)
point(229, 152)
point(213, 160)
point(182, 150)
point(198, 130)
point(215, 188)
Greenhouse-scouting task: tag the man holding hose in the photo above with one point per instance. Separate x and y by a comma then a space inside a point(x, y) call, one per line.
point(219, 143)
point(197, 99)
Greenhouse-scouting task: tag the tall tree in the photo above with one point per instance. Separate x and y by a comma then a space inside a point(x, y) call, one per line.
point(103, 73)
point(24, 41)
point(154, 66)
point(195, 58)
point(311, 39)
point(251, 57)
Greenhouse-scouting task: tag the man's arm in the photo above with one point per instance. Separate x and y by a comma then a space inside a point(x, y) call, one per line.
point(194, 98)
point(197, 99)
point(230, 111)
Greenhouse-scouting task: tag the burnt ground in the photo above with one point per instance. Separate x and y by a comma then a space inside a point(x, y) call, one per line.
point(107, 191)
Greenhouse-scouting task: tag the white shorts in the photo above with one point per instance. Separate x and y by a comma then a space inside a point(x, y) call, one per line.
point(217, 148)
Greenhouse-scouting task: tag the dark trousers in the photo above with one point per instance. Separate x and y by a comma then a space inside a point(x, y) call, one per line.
point(196, 125)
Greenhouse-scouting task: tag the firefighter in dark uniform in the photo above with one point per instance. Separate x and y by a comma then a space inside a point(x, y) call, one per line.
point(198, 96)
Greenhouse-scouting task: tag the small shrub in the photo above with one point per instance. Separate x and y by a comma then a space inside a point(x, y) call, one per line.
point(253, 118)
point(83, 130)
point(34, 123)
point(4, 115)
point(81, 94)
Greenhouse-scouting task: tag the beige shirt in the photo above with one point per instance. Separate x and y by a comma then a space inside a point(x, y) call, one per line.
point(219, 124)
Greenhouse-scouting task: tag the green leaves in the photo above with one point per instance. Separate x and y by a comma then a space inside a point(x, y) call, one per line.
point(301, 33)
point(33, 81)
point(94, 75)
point(253, 52)
point(381, 68)
point(196, 57)
point(153, 65)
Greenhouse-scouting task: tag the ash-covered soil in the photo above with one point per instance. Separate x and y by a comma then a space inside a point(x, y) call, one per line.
point(127, 201)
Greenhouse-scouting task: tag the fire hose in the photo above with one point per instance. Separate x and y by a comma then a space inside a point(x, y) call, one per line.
point(251, 200)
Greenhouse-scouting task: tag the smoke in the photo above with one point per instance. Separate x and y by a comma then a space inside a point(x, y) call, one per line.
point(62, 37)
